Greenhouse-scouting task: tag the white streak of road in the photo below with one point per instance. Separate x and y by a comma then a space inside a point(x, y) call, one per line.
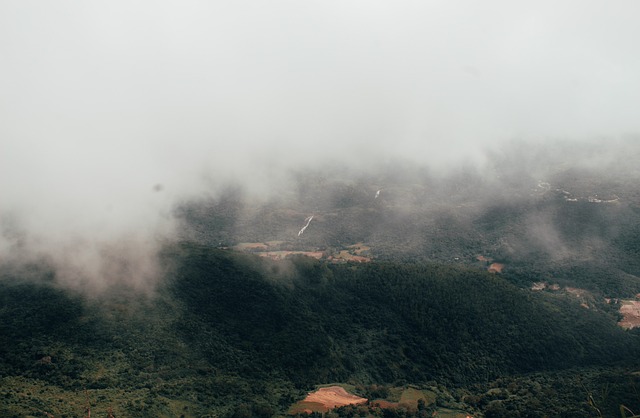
point(305, 227)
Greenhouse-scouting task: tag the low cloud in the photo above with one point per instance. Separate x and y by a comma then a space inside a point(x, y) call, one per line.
point(114, 114)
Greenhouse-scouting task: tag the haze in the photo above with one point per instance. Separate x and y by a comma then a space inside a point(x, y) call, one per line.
point(112, 113)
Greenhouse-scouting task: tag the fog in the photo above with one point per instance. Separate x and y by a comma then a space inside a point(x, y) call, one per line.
point(114, 113)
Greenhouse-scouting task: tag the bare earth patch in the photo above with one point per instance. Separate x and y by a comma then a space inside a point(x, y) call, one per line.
point(345, 255)
point(325, 399)
point(492, 267)
point(281, 255)
point(273, 250)
point(630, 310)
point(495, 268)
point(334, 396)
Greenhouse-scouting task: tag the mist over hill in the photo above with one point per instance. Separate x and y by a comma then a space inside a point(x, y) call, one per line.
point(561, 201)
point(540, 210)
point(386, 286)
point(208, 209)
point(114, 114)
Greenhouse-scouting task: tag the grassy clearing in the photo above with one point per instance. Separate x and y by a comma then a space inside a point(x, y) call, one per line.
point(411, 397)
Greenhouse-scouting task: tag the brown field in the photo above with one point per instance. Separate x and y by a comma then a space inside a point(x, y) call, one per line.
point(270, 249)
point(495, 268)
point(345, 255)
point(324, 399)
point(630, 310)
point(281, 255)
point(330, 397)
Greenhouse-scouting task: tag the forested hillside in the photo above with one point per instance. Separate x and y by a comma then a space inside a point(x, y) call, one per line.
point(497, 292)
point(228, 332)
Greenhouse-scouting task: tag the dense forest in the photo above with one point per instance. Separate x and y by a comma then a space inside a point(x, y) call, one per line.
point(228, 332)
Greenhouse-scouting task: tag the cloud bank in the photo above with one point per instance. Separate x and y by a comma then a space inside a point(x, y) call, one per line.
point(113, 112)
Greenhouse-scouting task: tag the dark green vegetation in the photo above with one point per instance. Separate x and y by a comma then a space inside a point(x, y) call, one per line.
point(385, 322)
point(229, 332)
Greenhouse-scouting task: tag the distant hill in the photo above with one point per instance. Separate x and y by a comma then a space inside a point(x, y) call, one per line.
point(545, 216)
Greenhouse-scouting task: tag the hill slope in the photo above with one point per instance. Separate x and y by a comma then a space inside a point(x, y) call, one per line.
point(227, 329)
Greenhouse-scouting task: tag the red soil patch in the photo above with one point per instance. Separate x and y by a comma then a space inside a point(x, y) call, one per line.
point(325, 399)
point(495, 268)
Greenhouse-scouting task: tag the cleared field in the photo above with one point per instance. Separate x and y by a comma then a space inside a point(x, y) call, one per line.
point(325, 399)
point(275, 251)
point(281, 255)
point(630, 310)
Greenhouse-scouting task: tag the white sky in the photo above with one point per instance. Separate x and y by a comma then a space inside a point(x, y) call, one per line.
point(101, 100)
